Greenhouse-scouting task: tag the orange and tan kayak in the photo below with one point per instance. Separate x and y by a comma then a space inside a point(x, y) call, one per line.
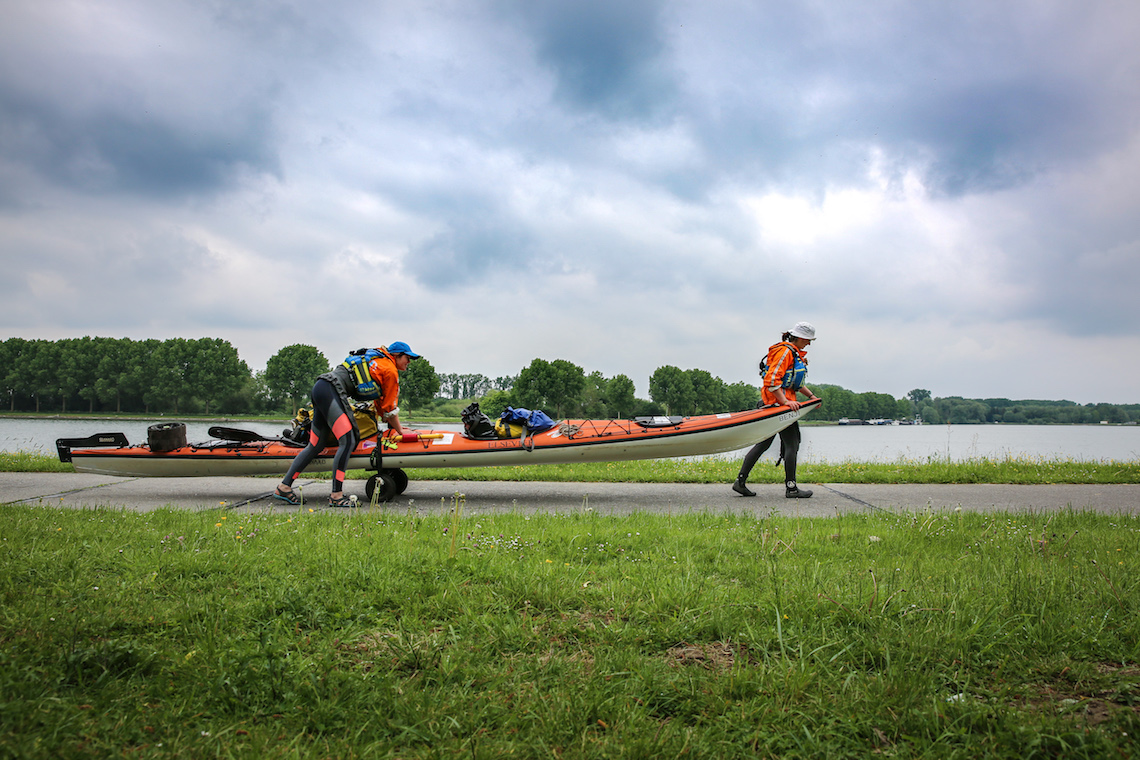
point(568, 441)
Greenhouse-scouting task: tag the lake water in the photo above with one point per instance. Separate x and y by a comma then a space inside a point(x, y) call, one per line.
point(824, 443)
point(38, 435)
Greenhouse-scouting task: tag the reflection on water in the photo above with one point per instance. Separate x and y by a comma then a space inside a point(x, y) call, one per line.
point(823, 443)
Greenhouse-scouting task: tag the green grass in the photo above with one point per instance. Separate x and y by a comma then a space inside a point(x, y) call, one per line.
point(383, 634)
point(723, 470)
point(23, 461)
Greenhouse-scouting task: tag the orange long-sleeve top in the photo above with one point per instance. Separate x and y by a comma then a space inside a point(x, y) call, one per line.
point(781, 360)
point(383, 371)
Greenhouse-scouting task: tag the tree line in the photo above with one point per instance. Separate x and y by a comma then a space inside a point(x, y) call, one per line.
point(119, 374)
point(456, 386)
point(206, 376)
point(175, 376)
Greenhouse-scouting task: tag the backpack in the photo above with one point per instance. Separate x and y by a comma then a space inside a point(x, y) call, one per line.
point(366, 388)
point(476, 424)
point(531, 422)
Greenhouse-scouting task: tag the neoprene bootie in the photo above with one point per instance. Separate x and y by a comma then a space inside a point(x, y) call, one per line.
point(792, 491)
point(742, 489)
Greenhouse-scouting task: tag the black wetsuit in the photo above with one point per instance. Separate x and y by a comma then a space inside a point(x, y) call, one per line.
point(331, 418)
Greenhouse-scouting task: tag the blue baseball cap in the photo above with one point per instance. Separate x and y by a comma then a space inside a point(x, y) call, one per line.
point(400, 347)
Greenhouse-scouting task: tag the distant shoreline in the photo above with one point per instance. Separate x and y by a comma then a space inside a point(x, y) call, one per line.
point(136, 417)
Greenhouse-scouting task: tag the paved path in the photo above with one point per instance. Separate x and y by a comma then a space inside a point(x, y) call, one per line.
point(252, 494)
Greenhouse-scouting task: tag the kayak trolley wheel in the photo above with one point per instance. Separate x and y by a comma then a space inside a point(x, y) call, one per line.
point(166, 436)
point(392, 483)
point(401, 479)
point(385, 483)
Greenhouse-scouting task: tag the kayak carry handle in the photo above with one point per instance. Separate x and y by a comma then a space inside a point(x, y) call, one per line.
point(63, 446)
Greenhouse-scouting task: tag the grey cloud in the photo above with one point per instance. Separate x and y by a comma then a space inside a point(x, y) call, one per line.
point(124, 277)
point(974, 99)
point(608, 57)
point(492, 252)
point(119, 151)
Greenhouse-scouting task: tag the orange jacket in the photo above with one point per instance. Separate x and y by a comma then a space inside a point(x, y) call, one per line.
point(383, 371)
point(781, 360)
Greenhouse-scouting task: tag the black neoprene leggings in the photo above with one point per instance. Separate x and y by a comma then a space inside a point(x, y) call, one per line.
point(328, 415)
point(789, 440)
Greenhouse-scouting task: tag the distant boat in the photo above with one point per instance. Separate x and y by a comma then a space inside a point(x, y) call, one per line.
point(845, 421)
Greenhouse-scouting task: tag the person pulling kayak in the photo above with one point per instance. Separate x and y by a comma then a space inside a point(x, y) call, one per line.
point(784, 371)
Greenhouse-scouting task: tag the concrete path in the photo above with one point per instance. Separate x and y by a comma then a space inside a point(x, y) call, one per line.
point(425, 497)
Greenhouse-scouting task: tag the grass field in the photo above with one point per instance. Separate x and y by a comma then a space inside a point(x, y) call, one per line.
point(723, 470)
point(380, 634)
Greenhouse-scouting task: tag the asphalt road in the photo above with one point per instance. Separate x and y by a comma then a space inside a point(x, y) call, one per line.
point(81, 491)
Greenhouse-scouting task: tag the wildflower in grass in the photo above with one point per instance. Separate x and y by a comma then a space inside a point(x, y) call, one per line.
point(874, 539)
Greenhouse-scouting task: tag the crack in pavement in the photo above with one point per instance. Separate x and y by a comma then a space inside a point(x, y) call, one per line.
point(61, 494)
point(855, 499)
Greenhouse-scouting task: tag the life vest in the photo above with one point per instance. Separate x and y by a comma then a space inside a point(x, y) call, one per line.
point(793, 378)
point(366, 388)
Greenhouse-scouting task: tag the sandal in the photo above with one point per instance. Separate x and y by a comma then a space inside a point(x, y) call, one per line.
point(289, 497)
point(343, 501)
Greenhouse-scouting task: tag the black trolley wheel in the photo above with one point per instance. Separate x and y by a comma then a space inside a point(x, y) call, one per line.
point(401, 479)
point(390, 482)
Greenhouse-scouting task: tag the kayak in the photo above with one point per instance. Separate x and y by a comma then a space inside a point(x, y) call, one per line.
point(240, 452)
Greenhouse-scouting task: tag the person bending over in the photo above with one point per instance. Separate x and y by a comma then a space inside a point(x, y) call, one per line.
point(366, 375)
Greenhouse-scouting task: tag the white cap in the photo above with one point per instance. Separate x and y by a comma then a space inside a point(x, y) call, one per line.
point(803, 330)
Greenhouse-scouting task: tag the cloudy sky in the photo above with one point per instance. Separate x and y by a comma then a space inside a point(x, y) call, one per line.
point(949, 190)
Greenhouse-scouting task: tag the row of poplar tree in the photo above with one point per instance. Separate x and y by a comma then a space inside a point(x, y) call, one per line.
point(176, 375)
